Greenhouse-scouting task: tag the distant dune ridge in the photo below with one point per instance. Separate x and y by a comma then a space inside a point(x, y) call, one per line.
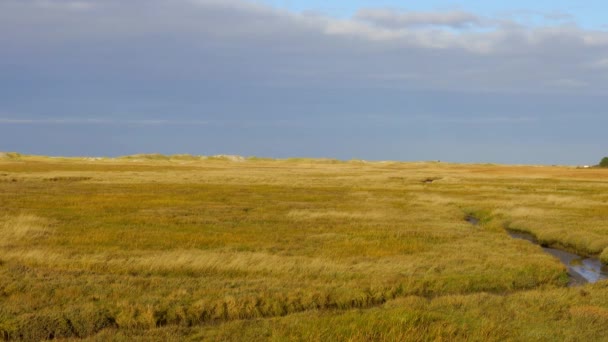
point(139, 156)
point(146, 157)
point(178, 157)
point(9, 155)
point(158, 156)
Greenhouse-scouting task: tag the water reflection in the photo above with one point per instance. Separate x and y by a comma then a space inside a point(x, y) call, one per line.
point(581, 269)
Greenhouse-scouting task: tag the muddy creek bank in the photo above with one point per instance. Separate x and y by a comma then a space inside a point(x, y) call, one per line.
point(581, 269)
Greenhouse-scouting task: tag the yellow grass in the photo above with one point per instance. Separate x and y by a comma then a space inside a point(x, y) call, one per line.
point(163, 248)
point(21, 228)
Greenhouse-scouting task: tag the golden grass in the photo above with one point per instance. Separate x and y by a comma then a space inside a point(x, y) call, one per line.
point(22, 228)
point(157, 248)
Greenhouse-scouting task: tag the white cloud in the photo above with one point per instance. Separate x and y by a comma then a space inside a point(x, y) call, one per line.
point(600, 64)
point(490, 120)
point(73, 121)
point(397, 19)
point(234, 41)
point(66, 5)
point(567, 83)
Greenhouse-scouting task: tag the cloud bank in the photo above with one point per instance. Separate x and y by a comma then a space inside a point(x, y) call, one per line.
point(236, 41)
point(395, 18)
point(156, 62)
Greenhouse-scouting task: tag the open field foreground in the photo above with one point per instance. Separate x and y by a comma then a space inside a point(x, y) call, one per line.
point(155, 248)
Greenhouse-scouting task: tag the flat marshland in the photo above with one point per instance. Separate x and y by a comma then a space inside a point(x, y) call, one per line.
point(176, 248)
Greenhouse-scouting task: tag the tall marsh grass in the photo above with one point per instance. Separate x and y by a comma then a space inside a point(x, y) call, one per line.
point(155, 247)
point(22, 228)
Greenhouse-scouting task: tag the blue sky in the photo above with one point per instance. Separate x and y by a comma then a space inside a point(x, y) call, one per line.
point(455, 81)
point(587, 13)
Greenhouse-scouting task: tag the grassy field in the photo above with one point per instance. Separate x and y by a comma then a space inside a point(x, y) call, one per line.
point(174, 248)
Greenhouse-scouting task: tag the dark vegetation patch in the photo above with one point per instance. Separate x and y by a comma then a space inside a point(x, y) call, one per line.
point(76, 322)
point(472, 220)
point(67, 179)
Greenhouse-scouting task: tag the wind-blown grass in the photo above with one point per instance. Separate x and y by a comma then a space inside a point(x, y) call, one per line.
point(167, 247)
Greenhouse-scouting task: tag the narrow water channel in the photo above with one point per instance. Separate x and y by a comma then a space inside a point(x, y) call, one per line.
point(581, 269)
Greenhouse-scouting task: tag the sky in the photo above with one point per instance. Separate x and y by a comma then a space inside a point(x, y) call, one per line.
point(586, 13)
point(468, 81)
